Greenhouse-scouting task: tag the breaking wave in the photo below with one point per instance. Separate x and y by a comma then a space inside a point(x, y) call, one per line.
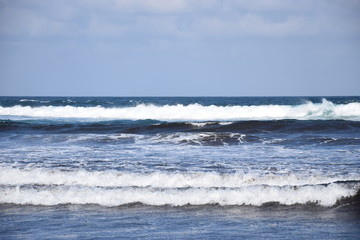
point(193, 112)
point(112, 188)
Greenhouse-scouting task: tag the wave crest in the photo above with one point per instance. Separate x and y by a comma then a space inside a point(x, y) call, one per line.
point(52, 187)
point(194, 112)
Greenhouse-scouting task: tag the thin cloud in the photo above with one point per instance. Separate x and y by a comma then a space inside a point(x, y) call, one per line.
point(179, 18)
point(254, 25)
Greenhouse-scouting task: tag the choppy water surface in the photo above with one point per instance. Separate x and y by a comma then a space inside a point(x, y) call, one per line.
point(182, 167)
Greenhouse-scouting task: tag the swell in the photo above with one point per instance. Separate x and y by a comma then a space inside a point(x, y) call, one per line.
point(153, 127)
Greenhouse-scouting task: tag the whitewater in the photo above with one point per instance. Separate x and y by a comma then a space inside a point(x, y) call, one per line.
point(112, 188)
point(203, 167)
point(326, 110)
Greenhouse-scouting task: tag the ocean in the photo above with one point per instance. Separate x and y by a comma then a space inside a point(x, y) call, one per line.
point(180, 167)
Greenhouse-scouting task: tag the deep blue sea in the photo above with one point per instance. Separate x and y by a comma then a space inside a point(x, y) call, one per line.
point(179, 167)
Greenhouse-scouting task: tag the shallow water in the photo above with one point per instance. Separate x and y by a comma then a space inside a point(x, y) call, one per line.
point(188, 222)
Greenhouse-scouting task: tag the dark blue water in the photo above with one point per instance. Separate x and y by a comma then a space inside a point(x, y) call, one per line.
point(179, 167)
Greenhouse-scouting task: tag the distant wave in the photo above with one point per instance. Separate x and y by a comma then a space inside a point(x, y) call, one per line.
point(111, 188)
point(193, 112)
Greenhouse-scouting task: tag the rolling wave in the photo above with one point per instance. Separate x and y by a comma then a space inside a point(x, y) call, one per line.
point(282, 126)
point(111, 188)
point(326, 196)
point(193, 112)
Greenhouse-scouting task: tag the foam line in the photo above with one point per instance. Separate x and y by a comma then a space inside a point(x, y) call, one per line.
point(38, 176)
point(112, 188)
point(194, 112)
point(324, 195)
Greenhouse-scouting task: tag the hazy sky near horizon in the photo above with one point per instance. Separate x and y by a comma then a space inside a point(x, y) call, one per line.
point(179, 47)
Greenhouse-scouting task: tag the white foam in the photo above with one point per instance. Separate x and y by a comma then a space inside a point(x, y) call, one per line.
point(197, 138)
point(203, 124)
point(32, 100)
point(225, 123)
point(200, 124)
point(193, 112)
point(39, 176)
point(253, 195)
point(112, 188)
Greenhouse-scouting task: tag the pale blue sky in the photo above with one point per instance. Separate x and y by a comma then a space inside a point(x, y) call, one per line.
point(179, 47)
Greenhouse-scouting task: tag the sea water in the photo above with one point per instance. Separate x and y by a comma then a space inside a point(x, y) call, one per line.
point(179, 167)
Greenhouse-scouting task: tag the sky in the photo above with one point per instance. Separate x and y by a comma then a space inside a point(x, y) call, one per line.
point(179, 47)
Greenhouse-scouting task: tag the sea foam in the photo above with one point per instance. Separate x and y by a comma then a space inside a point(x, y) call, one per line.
point(111, 178)
point(112, 188)
point(324, 195)
point(193, 112)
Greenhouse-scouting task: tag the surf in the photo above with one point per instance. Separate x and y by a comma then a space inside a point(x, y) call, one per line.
point(113, 188)
point(326, 110)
